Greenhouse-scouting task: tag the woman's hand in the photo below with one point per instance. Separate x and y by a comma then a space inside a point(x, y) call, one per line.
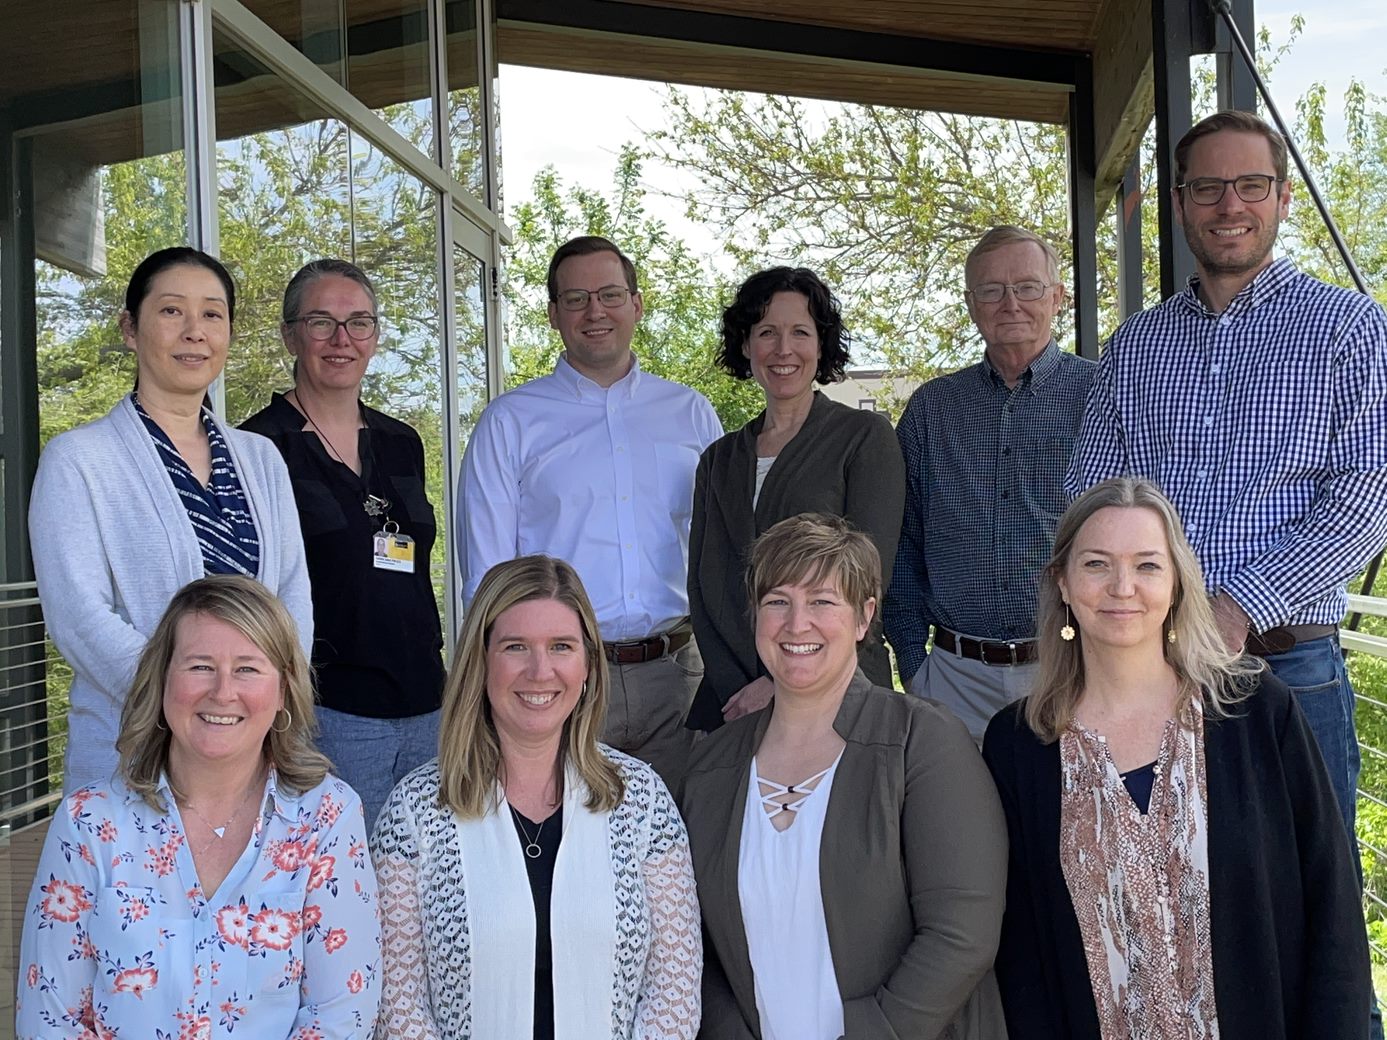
point(754, 696)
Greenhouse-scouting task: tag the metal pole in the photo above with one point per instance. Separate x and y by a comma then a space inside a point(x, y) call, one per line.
point(1224, 9)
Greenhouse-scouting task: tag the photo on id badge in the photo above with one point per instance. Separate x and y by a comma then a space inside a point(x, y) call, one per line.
point(393, 551)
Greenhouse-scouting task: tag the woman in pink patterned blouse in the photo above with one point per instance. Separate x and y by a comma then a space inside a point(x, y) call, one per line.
point(220, 885)
point(1179, 869)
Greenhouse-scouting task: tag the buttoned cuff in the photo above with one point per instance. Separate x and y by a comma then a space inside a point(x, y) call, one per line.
point(1265, 607)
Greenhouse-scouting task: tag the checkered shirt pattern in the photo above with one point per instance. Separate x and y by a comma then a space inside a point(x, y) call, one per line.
point(1267, 427)
point(985, 471)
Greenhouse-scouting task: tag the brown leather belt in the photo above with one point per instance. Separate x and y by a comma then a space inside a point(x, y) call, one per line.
point(638, 651)
point(1282, 638)
point(1019, 651)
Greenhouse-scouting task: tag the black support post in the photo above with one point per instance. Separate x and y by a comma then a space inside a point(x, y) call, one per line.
point(1236, 86)
point(1172, 25)
point(1083, 168)
point(1129, 252)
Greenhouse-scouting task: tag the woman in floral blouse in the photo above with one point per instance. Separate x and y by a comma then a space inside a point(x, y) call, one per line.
point(1178, 866)
point(220, 885)
point(535, 884)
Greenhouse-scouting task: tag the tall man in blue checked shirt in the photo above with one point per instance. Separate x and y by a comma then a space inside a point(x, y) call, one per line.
point(594, 463)
point(1257, 398)
point(985, 453)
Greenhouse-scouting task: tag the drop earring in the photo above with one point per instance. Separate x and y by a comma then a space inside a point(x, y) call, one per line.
point(1067, 633)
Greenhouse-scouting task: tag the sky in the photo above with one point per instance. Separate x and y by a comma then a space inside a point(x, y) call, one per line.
point(1341, 40)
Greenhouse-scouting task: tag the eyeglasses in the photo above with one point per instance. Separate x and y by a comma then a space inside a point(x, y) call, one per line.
point(1251, 187)
point(608, 296)
point(992, 292)
point(322, 327)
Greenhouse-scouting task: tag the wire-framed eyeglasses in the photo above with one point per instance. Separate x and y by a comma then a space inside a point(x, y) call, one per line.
point(992, 292)
point(1250, 187)
point(608, 296)
point(323, 327)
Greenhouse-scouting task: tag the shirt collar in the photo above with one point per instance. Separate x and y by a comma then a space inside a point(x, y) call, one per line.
point(1267, 284)
point(581, 385)
point(280, 803)
point(1041, 368)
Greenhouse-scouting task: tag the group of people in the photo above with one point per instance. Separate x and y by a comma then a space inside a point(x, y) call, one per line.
point(665, 788)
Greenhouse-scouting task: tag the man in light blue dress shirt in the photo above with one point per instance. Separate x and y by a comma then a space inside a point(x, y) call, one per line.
point(595, 464)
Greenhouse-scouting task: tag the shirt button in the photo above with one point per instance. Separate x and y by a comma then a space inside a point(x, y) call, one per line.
point(1006, 450)
point(1006, 495)
point(620, 449)
point(1203, 474)
point(1208, 420)
point(625, 497)
point(1215, 368)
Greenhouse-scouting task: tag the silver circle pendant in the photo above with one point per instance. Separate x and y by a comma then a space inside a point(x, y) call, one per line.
point(533, 851)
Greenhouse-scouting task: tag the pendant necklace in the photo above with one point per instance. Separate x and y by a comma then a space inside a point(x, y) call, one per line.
point(218, 833)
point(374, 505)
point(532, 849)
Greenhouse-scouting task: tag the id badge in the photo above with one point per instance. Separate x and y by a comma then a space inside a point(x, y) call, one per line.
point(392, 551)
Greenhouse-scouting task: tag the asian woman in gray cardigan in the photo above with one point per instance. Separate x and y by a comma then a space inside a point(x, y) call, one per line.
point(128, 509)
point(804, 453)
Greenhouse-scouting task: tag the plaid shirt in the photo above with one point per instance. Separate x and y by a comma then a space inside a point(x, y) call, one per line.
point(984, 469)
point(1267, 427)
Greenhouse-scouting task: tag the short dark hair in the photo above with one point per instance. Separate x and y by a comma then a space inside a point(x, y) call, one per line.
point(311, 272)
point(158, 262)
point(749, 307)
point(1242, 122)
point(584, 245)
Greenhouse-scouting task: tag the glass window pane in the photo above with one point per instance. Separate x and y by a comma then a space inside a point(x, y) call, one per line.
point(470, 274)
point(283, 198)
point(465, 133)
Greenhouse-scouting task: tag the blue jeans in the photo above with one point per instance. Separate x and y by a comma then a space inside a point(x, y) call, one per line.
point(1315, 672)
point(373, 755)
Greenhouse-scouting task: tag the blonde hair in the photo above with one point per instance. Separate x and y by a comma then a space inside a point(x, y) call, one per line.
point(809, 548)
point(1202, 663)
point(252, 610)
point(469, 750)
point(1006, 235)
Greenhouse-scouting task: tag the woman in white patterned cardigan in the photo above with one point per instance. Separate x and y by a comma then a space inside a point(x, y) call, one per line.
point(534, 883)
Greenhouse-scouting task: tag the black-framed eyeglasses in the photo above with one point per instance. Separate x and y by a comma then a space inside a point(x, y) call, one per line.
point(322, 327)
point(992, 292)
point(608, 296)
point(1251, 187)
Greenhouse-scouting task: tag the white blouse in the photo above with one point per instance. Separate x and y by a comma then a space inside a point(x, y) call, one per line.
point(797, 994)
point(763, 466)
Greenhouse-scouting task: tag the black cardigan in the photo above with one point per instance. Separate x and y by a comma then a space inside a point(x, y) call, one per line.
point(1290, 954)
point(844, 461)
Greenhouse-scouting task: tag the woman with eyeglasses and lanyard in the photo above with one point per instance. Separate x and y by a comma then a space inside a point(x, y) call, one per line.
point(368, 529)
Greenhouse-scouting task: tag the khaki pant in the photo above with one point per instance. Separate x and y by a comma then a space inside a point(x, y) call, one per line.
point(646, 709)
point(970, 689)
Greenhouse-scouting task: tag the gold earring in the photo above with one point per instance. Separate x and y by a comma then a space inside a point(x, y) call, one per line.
point(288, 721)
point(1067, 633)
point(1170, 636)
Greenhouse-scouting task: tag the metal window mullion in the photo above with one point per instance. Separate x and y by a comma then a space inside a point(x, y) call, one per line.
point(452, 427)
point(485, 12)
point(267, 47)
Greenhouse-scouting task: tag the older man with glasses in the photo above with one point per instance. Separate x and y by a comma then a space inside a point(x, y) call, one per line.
point(985, 452)
point(1257, 398)
point(594, 464)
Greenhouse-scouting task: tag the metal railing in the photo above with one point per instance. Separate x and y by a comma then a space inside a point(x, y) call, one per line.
point(32, 731)
point(1372, 783)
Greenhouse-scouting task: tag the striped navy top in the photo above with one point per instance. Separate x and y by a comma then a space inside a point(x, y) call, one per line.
point(219, 512)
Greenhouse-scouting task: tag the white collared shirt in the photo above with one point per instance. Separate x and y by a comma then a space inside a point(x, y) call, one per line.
point(599, 476)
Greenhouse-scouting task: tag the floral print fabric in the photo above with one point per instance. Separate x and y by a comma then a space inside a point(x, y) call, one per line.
point(120, 942)
point(1140, 885)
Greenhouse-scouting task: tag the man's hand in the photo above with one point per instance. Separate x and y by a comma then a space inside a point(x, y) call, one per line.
point(1233, 622)
point(754, 696)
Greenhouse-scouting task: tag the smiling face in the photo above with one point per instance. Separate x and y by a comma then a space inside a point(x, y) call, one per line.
point(535, 669)
point(221, 695)
point(1023, 326)
point(807, 636)
point(597, 338)
point(1119, 580)
point(783, 348)
point(1231, 237)
point(180, 335)
point(338, 363)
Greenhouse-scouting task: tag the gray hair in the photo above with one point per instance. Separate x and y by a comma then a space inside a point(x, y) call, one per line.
point(311, 272)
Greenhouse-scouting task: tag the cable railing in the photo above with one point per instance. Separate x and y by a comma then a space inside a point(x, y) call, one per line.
point(1368, 663)
point(32, 731)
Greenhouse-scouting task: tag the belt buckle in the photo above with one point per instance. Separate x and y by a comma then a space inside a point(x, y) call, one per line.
point(1011, 648)
point(663, 637)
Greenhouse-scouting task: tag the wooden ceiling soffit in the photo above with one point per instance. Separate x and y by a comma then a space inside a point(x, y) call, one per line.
point(730, 68)
point(734, 52)
point(1123, 90)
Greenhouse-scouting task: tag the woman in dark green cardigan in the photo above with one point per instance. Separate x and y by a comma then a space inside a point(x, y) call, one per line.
point(804, 453)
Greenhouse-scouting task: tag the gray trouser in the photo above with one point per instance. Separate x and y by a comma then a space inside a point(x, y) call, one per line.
point(647, 707)
point(970, 689)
